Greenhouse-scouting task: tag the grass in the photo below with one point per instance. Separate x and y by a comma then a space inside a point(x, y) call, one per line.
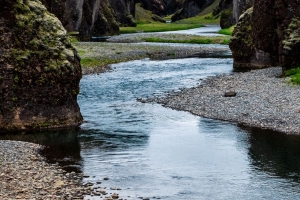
point(294, 74)
point(157, 27)
point(227, 31)
point(198, 40)
point(146, 25)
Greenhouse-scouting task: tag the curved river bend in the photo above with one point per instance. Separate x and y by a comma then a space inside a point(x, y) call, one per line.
point(151, 151)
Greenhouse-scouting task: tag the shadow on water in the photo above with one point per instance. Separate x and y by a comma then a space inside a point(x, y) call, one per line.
point(274, 153)
point(61, 146)
point(112, 141)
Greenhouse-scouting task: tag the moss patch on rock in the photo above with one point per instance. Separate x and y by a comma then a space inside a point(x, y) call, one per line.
point(40, 69)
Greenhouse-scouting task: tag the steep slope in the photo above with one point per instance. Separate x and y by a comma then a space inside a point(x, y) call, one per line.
point(124, 11)
point(162, 7)
point(90, 17)
point(39, 69)
point(191, 8)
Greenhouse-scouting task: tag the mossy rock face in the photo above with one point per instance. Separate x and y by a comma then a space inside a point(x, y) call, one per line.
point(124, 11)
point(226, 19)
point(39, 69)
point(98, 21)
point(270, 37)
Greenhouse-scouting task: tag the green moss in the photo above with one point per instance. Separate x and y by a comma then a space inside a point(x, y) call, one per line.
point(87, 62)
point(294, 74)
point(194, 40)
point(226, 15)
point(227, 31)
point(292, 34)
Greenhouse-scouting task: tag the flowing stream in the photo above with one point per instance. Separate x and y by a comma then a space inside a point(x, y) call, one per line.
point(151, 151)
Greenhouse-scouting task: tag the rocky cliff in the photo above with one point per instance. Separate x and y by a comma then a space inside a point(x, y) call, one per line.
point(39, 69)
point(191, 8)
point(268, 35)
point(231, 10)
point(162, 7)
point(89, 17)
point(124, 11)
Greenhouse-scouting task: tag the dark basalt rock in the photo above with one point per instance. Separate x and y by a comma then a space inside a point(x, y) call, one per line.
point(124, 11)
point(191, 8)
point(231, 10)
point(268, 35)
point(39, 69)
point(230, 94)
point(162, 7)
point(89, 17)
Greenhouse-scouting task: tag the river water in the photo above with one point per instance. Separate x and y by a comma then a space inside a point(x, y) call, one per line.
point(151, 151)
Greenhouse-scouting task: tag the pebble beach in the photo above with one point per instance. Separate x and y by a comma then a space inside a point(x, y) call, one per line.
point(262, 99)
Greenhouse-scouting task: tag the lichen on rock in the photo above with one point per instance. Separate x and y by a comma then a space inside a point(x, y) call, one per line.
point(39, 67)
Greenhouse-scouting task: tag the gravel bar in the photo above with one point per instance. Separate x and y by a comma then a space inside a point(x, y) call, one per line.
point(262, 100)
point(25, 175)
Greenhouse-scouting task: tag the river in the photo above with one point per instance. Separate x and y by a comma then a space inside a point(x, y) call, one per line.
point(151, 151)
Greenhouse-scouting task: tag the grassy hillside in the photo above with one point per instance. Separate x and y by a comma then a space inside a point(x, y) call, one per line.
point(145, 22)
point(143, 16)
point(210, 8)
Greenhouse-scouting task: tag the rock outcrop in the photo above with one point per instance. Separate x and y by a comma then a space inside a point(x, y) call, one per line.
point(231, 10)
point(39, 69)
point(124, 11)
point(191, 8)
point(162, 7)
point(88, 17)
point(268, 35)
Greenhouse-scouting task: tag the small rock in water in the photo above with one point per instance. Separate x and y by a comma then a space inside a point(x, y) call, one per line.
point(115, 196)
point(230, 94)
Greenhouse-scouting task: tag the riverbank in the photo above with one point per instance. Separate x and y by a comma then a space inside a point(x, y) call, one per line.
point(97, 56)
point(24, 174)
point(262, 100)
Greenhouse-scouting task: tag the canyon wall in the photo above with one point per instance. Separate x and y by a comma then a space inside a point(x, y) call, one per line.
point(268, 34)
point(88, 17)
point(191, 8)
point(39, 69)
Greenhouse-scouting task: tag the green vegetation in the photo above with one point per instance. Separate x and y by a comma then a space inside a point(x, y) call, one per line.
point(294, 74)
point(90, 62)
point(194, 40)
point(145, 22)
point(227, 31)
point(158, 27)
point(194, 22)
point(210, 8)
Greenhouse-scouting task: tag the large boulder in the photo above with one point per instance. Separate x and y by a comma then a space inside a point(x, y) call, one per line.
point(39, 69)
point(268, 35)
point(88, 17)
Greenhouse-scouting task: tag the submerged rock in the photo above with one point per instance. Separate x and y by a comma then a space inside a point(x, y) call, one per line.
point(39, 69)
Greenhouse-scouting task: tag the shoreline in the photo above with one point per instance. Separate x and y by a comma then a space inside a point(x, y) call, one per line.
point(25, 174)
point(262, 100)
point(130, 47)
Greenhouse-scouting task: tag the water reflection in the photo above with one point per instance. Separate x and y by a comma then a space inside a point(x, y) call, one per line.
point(275, 153)
point(61, 146)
